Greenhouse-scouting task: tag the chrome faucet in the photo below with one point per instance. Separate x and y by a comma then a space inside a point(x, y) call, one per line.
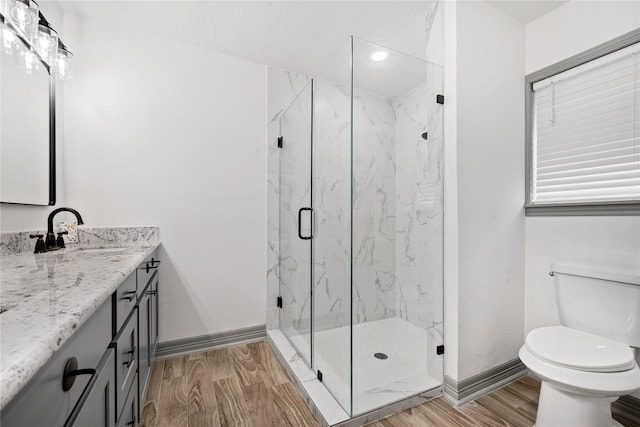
point(51, 238)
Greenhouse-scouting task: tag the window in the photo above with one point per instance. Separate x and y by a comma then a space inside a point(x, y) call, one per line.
point(583, 133)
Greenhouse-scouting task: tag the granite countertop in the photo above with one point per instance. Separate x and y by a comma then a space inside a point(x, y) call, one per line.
point(45, 298)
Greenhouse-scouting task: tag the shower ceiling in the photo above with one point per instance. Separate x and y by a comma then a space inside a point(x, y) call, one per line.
point(293, 35)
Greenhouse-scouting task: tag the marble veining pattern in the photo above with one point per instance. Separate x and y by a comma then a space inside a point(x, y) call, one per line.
point(47, 297)
point(18, 242)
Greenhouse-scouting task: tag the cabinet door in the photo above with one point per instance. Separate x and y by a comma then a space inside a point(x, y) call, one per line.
point(99, 407)
point(129, 416)
point(154, 315)
point(144, 344)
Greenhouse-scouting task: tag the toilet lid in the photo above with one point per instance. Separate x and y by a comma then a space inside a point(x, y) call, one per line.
point(579, 350)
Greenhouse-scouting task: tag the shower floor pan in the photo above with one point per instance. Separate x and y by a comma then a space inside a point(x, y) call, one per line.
point(377, 382)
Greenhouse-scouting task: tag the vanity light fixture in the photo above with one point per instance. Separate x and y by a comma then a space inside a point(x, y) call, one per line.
point(25, 30)
point(378, 56)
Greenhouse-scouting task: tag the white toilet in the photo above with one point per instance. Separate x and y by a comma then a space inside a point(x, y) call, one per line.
point(590, 361)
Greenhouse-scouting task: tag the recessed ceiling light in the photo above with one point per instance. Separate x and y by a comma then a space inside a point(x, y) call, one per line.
point(379, 56)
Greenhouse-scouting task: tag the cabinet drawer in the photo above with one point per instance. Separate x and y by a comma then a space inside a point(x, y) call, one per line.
point(43, 401)
point(124, 299)
point(145, 270)
point(98, 409)
point(129, 415)
point(126, 360)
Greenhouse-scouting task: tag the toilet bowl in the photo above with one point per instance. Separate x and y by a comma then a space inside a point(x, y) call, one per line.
point(589, 362)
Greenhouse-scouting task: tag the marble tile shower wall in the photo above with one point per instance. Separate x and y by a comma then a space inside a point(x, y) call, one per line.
point(374, 208)
point(332, 204)
point(419, 212)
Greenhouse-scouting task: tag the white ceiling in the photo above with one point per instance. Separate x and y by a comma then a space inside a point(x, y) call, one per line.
point(526, 11)
point(294, 35)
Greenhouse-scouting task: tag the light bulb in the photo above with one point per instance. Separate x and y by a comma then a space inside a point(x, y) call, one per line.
point(62, 67)
point(379, 56)
point(31, 62)
point(47, 43)
point(8, 40)
point(20, 15)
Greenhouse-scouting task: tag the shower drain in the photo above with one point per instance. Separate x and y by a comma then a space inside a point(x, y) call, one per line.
point(380, 356)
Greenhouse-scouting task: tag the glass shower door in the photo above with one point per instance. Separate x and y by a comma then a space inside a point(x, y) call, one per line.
point(295, 222)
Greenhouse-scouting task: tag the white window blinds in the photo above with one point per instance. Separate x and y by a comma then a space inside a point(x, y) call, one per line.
point(586, 124)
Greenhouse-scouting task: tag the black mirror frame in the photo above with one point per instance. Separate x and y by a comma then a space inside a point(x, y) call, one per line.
point(52, 138)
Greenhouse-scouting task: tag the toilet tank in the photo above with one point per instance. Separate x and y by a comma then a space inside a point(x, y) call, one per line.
point(598, 300)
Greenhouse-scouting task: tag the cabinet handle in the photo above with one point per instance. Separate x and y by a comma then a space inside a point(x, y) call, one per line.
point(152, 292)
point(151, 266)
point(71, 371)
point(133, 357)
point(132, 422)
point(129, 295)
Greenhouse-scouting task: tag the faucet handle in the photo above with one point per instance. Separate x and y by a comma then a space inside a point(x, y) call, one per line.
point(40, 246)
point(60, 240)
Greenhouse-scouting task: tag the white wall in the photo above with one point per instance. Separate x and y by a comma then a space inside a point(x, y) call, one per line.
point(575, 27)
point(490, 182)
point(162, 133)
point(27, 217)
point(451, 279)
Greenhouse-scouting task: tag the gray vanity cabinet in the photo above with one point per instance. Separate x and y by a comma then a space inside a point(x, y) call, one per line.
point(114, 349)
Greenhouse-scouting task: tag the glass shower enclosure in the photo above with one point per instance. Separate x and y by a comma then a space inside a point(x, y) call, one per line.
point(361, 226)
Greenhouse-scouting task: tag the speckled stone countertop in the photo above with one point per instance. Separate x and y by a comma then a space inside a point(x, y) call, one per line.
point(45, 298)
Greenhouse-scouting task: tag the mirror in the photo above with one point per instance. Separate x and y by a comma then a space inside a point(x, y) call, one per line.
point(27, 132)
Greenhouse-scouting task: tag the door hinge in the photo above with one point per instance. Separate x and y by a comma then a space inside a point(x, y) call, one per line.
point(440, 350)
point(440, 99)
point(279, 302)
point(279, 142)
point(319, 375)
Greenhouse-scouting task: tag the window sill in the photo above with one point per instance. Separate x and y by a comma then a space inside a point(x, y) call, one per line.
point(586, 209)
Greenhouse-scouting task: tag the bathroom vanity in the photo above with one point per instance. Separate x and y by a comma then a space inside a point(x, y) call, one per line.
point(79, 333)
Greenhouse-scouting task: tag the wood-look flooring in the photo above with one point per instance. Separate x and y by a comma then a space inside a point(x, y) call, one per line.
point(246, 385)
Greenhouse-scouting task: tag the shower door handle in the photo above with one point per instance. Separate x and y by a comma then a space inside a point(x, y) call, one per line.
point(310, 236)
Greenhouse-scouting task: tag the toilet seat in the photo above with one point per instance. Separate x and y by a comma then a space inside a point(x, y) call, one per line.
point(600, 384)
point(569, 348)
